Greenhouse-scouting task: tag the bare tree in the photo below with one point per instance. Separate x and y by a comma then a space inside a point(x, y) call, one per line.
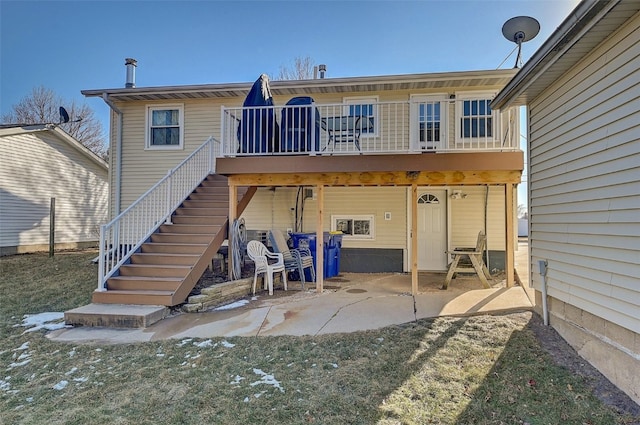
point(302, 69)
point(42, 106)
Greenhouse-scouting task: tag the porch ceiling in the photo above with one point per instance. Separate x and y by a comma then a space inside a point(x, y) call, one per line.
point(375, 170)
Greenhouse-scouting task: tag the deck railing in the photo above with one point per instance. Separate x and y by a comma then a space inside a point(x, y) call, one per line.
point(375, 128)
point(122, 236)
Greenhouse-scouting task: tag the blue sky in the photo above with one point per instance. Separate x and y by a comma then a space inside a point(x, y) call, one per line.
point(69, 46)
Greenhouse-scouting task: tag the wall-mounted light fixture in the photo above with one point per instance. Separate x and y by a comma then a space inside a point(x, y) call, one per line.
point(457, 194)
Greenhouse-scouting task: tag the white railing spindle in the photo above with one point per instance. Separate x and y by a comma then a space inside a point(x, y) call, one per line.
point(123, 235)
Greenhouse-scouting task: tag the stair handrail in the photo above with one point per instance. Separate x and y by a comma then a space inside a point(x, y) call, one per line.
point(122, 237)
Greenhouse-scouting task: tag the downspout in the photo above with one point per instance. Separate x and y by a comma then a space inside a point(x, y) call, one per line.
point(118, 159)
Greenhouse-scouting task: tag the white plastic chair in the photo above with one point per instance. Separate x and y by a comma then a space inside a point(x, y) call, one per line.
point(261, 256)
point(296, 259)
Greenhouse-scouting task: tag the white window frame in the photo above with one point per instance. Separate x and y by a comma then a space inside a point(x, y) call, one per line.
point(149, 111)
point(414, 130)
point(348, 236)
point(495, 117)
point(364, 100)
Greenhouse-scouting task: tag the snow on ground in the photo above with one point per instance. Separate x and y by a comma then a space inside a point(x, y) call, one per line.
point(233, 305)
point(266, 379)
point(49, 321)
point(61, 385)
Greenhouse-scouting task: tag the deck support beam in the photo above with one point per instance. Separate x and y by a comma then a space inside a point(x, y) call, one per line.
point(414, 239)
point(320, 239)
point(509, 235)
point(233, 212)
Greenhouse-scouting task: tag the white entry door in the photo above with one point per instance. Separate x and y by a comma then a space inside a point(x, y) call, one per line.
point(432, 230)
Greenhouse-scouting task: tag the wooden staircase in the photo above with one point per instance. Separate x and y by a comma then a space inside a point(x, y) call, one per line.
point(169, 265)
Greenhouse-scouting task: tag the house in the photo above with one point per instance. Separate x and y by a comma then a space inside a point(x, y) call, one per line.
point(40, 163)
point(582, 92)
point(408, 167)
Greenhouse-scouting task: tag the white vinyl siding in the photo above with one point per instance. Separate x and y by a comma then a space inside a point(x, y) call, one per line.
point(36, 167)
point(584, 180)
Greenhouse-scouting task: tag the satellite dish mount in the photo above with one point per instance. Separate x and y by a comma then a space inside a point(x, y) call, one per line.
point(520, 30)
point(64, 116)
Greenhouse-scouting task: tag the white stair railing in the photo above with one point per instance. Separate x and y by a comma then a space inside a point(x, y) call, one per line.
point(123, 235)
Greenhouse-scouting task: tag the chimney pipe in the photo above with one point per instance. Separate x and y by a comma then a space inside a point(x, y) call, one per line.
point(131, 72)
point(322, 68)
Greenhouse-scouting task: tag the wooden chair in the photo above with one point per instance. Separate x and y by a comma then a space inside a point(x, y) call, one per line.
point(261, 256)
point(477, 262)
point(294, 259)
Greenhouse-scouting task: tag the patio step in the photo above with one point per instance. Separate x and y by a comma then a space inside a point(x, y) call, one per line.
point(220, 212)
point(116, 315)
point(173, 259)
point(180, 238)
point(153, 270)
point(143, 283)
point(198, 220)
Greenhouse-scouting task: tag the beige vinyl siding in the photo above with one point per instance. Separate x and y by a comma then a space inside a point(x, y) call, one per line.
point(584, 180)
point(39, 166)
point(142, 168)
point(468, 217)
point(273, 209)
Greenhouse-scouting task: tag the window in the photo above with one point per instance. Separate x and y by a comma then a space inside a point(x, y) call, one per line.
point(476, 119)
point(353, 226)
point(165, 127)
point(367, 109)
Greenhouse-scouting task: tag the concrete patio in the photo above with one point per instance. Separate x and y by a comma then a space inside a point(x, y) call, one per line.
point(351, 302)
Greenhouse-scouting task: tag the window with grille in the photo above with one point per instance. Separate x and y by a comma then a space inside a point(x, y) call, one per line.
point(164, 127)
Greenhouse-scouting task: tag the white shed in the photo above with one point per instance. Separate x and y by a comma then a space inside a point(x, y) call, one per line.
point(41, 162)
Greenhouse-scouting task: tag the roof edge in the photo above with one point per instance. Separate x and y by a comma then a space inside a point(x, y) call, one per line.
point(552, 49)
point(296, 84)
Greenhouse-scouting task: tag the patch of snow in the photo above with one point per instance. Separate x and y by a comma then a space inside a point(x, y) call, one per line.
point(61, 385)
point(81, 379)
point(204, 344)
point(49, 321)
point(72, 371)
point(246, 400)
point(160, 355)
point(266, 379)
point(22, 347)
point(29, 399)
point(380, 339)
point(72, 352)
point(233, 305)
point(335, 365)
point(24, 356)
point(12, 365)
point(5, 385)
point(227, 344)
point(184, 342)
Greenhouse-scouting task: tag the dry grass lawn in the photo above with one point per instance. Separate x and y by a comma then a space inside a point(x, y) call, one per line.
point(477, 370)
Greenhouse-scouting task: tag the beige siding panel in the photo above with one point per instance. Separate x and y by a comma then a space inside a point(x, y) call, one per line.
point(584, 181)
point(468, 217)
point(271, 209)
point(37, 167)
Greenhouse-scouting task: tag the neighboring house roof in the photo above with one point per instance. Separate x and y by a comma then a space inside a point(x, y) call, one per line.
point(13, 129)
point(443, 81)
point(591, 22)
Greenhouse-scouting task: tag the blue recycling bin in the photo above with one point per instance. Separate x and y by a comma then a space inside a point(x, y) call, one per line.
point(331, 251)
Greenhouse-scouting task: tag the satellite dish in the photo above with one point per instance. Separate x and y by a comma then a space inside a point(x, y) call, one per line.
point(64, 116)
point(520, 30)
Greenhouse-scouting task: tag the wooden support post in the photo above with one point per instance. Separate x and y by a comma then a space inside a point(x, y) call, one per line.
point(52, 227)
point(509, 234)
point(320, 239)
point(414, 239)
point(233, 211)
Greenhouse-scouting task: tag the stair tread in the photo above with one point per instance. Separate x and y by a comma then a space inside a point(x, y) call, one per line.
point(138, 291)
point(159, 279)
point(164, 254)
point(155, 266)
